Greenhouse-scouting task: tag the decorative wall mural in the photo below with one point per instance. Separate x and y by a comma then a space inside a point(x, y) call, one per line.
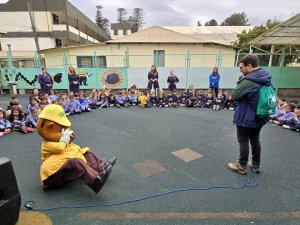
point(112, 77)
point(83, 78)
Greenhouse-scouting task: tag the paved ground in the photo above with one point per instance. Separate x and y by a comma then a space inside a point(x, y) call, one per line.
point(139, 136)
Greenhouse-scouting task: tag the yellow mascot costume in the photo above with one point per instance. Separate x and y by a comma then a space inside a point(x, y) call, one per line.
point(64, 161)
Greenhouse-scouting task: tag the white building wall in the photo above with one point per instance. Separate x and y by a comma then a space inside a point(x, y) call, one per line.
point(25, 46)
point(15, 22)
point(21, 21)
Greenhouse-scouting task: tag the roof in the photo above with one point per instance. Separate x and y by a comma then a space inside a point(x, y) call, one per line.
point(286, 33)
point(225, 35)
point(209, 29)
point(158, 34)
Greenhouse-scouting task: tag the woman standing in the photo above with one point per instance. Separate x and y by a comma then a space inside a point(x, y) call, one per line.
point(172, 80)
point(214, 79)
point(73, 80)
point(153, 78)
point(45, 81)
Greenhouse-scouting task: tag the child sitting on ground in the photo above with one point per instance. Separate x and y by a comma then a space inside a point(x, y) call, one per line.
point(162, 100)
point(84, 105)
point(279, 111)
point(14, 102)
point(217, 105)
point(200, 99)
point(93, 103)
point(287, 116)
point(16, 119)
point(52, 97)
point(5, 126)
point(153, 100)
point(144, 100)
point(172, 99)
point(229, 103)
point(183, 99)
point(32, 103)
point(73, 105)
point(209, 101)
point(103, 101)
point(294, 123)
point(32, 118)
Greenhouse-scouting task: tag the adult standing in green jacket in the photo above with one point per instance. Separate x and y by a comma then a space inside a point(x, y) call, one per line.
point(247, 123)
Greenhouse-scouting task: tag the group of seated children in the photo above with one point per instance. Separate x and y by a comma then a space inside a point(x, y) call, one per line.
point(15, 118)
point(287, 115)
point(145, 99)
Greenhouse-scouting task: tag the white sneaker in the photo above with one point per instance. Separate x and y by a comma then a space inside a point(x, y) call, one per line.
point(286, 126)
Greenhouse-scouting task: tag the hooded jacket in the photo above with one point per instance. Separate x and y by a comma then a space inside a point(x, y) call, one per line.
point(246, 94)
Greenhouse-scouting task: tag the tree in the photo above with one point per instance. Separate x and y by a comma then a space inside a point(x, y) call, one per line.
point(101, 21)
point(236, 19)
point(212, 22)
point(137, 19)
point(245, 37)
point(122, 15)
point(272, 23)
point(199, 23)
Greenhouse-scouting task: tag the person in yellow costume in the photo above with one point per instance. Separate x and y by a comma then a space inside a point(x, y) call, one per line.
point(64, 161)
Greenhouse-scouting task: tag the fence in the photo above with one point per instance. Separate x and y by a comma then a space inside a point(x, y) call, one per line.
point(122, 71)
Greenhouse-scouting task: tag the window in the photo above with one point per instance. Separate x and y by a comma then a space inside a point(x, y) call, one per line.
point(159, 58)
point(84, 61)
point(58, 43)
point(101, 61)
point(124, 32)
point(87, 61)
point(115, 32)
point(55, 19)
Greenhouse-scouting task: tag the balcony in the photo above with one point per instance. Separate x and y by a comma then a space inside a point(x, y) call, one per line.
point(73, 30)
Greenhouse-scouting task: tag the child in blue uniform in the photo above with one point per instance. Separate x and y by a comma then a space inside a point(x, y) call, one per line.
point(5, 126)
point(84, 105)
point(53, 97)
point(287, 116)
point(73, 105)
point(16, 119)
point(103, 101)
point(32, 118)
point(32, 103)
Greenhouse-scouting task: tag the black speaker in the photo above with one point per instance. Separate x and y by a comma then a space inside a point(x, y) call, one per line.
point(10, 198)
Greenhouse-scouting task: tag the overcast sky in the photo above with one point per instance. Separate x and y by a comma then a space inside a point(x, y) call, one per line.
point(188, 12)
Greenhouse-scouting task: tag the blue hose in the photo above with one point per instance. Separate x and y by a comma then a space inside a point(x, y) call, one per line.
point(30, 205)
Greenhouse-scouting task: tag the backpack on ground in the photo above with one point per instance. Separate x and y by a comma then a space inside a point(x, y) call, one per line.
point(267, 102)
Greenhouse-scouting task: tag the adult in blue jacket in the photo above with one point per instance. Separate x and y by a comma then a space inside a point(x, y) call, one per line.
point(248, 125)
point(214, 79)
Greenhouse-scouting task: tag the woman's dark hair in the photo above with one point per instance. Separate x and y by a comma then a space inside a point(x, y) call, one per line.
point(216, 69)
point(249, 60)
point(155, 70)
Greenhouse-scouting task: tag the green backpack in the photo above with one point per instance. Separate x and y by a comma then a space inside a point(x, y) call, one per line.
point(267, 102)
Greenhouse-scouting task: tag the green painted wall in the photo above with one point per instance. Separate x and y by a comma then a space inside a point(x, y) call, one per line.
point(117, 78)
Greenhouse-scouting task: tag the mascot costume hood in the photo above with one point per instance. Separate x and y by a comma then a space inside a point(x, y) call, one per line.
point(64, 161)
